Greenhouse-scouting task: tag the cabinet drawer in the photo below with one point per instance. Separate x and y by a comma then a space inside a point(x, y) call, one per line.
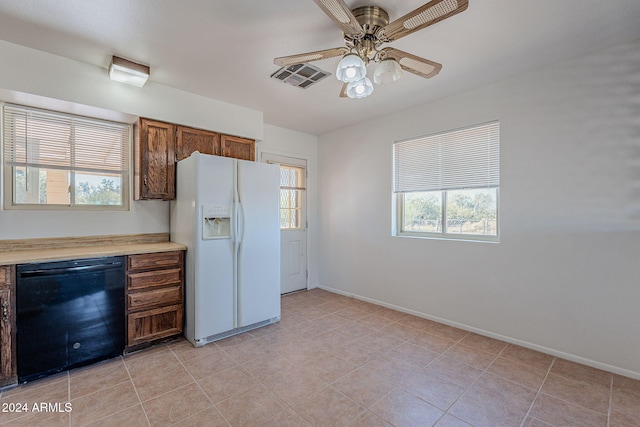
point(156, 297)
point(150, 279)
point(149, 325)
point(5, 275)
point(153, 260)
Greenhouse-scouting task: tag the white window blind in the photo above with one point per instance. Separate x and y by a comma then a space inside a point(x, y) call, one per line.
point(460, 159)
point(58, 159)
point(45, 139)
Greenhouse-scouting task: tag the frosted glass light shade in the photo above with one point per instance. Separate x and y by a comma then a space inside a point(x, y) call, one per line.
point(360, 89)
point(129, 72)
point(351, 68)
point(387, 72)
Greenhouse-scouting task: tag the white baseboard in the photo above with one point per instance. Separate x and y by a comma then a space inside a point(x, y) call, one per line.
point(542, 349)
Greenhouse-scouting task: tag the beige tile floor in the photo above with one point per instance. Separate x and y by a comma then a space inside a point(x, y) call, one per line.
point(333, 361)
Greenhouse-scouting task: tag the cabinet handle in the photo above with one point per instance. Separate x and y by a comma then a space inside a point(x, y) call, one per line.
point(145, 181)
point(5, 311)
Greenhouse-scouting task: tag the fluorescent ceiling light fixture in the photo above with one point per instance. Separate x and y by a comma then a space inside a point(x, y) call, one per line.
point(387, 72)
point(360, 89)
point(351, 68)
point(129, 72)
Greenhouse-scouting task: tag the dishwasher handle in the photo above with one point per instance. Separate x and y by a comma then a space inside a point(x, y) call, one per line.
point(65, 270)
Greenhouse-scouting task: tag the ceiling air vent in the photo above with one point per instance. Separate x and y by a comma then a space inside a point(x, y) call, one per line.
point(300, 75)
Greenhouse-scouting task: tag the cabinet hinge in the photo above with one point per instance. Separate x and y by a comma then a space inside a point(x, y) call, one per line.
point(5, 311)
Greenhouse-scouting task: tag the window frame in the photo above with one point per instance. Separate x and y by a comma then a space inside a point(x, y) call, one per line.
point(398, 201)
point(399, 215)
point(9, 175)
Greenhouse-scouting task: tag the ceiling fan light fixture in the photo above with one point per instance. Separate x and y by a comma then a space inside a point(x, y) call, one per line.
point(351, 68)
point(387, 72)
point(360, 89)
point(129, 72)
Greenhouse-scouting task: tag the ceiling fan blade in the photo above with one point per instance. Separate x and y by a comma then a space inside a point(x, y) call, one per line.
point(413, 64)
point(285, 61)
point(343, 91)
point(340, 13)
point(428, 14)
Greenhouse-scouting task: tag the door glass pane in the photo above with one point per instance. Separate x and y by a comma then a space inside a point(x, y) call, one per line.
point(291, 197)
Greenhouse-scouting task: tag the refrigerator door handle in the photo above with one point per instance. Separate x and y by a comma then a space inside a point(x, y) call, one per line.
point(232, 227)
point(240, 222)
point(235, 250)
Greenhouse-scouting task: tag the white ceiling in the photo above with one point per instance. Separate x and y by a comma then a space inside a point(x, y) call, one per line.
point(224, 49)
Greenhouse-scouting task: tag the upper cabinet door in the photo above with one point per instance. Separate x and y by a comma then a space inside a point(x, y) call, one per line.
point(156, 157)
point(190, 140)
point(159, 145)
point(238, 148)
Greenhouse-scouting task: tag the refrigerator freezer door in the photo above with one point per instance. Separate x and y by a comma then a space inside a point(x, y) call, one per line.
point(205, 181)
point(259, 249)
point(214, 271)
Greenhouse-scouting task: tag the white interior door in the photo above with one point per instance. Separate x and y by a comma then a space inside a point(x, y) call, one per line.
point(293, 222)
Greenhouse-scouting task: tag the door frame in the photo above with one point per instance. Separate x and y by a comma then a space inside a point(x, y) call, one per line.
point(294, 160)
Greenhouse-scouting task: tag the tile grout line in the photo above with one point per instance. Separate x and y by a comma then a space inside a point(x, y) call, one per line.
point(198, 384)
point(538, 392)
point(610, 401)
point(470, 385)
point(289, 406)
point(103, 389)
point(328, 384)
point(446, 411)
point(400, 387)
point(136, 390)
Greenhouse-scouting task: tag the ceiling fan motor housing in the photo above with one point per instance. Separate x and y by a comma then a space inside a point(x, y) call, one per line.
point(372, 19)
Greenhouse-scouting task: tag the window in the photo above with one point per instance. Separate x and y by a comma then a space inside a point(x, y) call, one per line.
point(292, 187)
point(60, 161)
point(447, 185)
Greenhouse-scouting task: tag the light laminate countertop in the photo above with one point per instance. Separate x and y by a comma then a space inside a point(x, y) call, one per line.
point(63, 254)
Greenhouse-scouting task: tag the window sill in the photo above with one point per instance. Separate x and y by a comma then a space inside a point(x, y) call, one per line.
point(450, 237)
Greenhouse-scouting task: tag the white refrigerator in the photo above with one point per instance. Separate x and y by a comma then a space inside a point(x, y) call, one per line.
point(226, 212)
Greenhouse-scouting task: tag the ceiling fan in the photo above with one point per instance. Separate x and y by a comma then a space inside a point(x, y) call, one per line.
point(365, 29)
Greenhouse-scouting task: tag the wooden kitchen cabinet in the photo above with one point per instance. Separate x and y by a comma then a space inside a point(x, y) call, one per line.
point(8, 373)
point(159, 145)
point(238, 148)
point(155, 297)
point(189, 140)
point(155, 160)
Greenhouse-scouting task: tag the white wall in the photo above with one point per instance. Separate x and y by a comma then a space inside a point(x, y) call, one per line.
point(34, 72)
point(286, 142)
point(565, 277)
point(41, 79)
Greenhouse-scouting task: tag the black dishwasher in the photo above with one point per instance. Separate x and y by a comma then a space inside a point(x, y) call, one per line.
point(70, 313)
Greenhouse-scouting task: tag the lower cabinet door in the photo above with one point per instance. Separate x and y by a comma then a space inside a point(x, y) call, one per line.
point(7, 355)
point(149, 325)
